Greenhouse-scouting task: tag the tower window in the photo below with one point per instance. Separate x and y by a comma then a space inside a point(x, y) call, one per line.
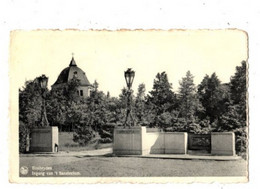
point(81, 92)
point(75, 74)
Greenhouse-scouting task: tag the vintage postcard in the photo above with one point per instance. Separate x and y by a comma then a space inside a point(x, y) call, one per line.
point(135, 106)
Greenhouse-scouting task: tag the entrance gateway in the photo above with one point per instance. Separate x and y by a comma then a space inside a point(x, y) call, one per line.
point(199, 142)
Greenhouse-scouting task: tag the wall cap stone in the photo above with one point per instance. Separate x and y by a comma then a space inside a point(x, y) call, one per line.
point(178, 133)
point(222, 133)
point(44, 128)
point(127, 128)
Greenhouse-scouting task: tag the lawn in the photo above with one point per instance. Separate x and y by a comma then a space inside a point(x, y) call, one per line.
point(101, 166)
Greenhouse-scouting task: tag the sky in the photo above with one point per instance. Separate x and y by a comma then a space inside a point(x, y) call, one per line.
point(105, 55)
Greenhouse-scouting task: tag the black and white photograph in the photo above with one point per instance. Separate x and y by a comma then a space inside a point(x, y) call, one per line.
point(130, 104)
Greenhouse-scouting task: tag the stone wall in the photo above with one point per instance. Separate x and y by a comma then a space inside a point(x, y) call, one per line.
point(167, 143)
point(154, 143)
point(175, 143)
point(136, 141)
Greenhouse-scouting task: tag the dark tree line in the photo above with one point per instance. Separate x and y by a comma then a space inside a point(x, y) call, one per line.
point(209, 107)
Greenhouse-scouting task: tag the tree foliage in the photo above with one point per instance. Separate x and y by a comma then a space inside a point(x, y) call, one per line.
point(213, 96)
point(235, 119)
point(189, 103)
point(95, 118)
point(161, 99)
point(30, 107)
point(140, 106)
point(238, 91)
point(61, 102)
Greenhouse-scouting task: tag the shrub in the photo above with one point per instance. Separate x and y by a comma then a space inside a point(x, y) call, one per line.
point(84, 135)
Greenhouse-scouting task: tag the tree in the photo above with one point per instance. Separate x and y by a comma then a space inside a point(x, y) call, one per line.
point(230, 120)
point(73, 115)
point(70, 90)
point(115, 112)
point(61, 105)
point(97, 106)
point(83, 132)
point(139, 109)
point(108, 94)
point(95, 86)
point(214, 97)
point(238, 89)
point(30, 108)
point(235, 119)
point(161, 99)
point(56, 107)
point(189, 103)
point(93, 121)
point(141, 92)
point(123, 98)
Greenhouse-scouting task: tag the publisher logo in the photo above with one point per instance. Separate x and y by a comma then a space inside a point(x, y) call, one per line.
point(24, 170)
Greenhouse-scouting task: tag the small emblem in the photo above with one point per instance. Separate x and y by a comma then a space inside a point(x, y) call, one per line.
point(24, 170)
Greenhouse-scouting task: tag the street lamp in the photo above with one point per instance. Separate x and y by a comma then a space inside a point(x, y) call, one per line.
point(43, 81)
point(129, 78)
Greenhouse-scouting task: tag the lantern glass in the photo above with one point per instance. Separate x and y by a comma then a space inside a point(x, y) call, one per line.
point(129, 77)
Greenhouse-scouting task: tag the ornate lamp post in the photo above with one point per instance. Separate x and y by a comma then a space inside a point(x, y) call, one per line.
point(129, 78)
point(43, 81)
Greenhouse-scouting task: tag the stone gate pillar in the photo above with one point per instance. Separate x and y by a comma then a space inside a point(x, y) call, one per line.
point(44, 139)
point(129, 141)
point(223, 143)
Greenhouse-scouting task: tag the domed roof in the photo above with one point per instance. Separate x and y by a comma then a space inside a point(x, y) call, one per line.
point(70, 72)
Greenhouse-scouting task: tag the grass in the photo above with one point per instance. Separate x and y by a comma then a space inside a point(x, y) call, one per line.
point(135, 167)
point(66, 143)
